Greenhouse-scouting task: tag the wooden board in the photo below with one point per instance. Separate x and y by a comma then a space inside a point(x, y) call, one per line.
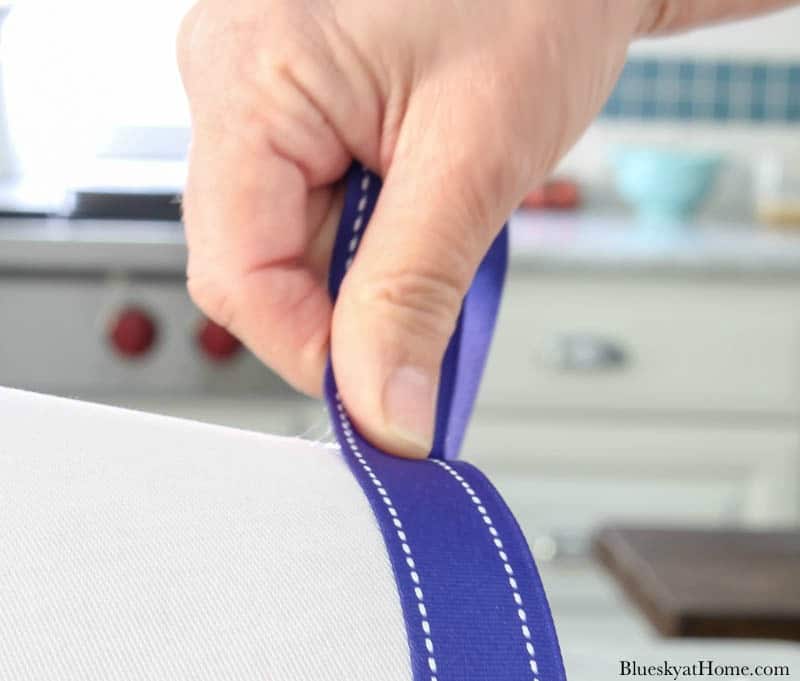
point(709, 583)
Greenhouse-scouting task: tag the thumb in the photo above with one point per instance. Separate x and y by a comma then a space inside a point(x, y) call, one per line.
point(400, 301)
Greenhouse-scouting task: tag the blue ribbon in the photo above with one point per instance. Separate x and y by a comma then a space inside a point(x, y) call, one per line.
point(472, 599)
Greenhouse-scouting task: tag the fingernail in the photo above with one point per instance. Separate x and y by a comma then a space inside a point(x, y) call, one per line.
point(409, 403)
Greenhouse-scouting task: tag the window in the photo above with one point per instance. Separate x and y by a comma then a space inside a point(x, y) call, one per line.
point(81, 75)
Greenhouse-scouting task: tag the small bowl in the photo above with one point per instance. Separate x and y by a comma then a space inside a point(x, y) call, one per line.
point(664, 186)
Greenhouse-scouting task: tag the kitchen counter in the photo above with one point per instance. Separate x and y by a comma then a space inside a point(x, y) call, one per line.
point(541, 242)
point(578, 243)
point(60, 245)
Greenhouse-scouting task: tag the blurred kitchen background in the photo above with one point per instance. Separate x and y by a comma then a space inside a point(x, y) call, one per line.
point(646, 369)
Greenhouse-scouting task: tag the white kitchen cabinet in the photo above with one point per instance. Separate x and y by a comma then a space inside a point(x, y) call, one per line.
point(639, 398)
point(628, 396)
point(677, 344)
point(565, 477)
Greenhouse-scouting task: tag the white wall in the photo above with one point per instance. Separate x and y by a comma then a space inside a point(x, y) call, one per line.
point(774, 37)
point(75, 70)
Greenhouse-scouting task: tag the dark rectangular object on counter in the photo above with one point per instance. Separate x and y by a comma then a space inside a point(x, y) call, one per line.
point(709, 583)
point(117, 205)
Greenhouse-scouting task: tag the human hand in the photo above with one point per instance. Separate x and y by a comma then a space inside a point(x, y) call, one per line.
point(460, 106)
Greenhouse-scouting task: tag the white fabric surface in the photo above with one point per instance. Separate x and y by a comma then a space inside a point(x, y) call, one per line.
point(134, 546)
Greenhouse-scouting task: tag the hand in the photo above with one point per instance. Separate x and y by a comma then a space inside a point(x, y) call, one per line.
point(460, 106)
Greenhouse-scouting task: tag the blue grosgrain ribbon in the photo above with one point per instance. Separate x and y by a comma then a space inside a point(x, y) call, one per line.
point(472, 599)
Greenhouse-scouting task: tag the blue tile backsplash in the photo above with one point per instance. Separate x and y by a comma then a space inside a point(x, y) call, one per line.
point(667, 89)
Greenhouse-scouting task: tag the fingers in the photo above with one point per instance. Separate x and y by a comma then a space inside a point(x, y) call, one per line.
point(253, 230)
point(400, 301)
point(460, 122)
point(259, 208)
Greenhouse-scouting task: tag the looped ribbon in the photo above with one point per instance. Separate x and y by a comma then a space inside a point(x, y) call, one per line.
point(472, 599)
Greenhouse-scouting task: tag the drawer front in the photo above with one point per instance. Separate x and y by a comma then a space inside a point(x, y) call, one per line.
point(642, 344)
point(563, 478)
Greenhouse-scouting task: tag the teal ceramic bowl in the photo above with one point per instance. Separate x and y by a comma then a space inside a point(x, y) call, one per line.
point(664, 185)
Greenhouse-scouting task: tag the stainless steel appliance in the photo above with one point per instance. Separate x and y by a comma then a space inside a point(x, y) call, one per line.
point(98, 309)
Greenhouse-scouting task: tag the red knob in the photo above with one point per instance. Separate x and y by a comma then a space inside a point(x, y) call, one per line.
point(133, 332)
point(216, 342)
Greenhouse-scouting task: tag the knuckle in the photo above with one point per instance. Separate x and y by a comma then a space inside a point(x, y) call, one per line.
point(211, 297)
point(664, 15)
point(421, 301)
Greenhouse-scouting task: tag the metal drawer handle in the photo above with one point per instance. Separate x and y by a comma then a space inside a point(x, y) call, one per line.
point(560, 545)
point(580, 352)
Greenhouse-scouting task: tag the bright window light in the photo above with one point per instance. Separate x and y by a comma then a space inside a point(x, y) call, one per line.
point(77, 72)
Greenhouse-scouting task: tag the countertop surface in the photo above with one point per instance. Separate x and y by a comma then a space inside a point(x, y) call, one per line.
point(577, 243)
point(581, 243)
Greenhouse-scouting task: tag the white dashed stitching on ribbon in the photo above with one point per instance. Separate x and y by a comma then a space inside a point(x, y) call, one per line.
point(503, 556)
point(358, 223)
point(413, 572)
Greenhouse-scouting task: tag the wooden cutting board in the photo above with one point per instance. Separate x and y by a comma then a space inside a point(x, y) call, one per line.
point(710, 583)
